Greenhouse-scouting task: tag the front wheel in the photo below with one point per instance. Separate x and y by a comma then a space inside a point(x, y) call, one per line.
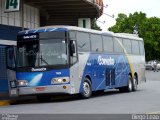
point(87, 89)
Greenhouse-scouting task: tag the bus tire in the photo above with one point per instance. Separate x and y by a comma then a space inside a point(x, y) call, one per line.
point(87, 89)
point(135, 83)
point(44, 98)
point(129, 87)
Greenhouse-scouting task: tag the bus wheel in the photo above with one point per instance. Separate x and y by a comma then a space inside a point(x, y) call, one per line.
point(130, 84)
point(129, 87)
point(135, 83)
point(44, 98)
point(87, 89)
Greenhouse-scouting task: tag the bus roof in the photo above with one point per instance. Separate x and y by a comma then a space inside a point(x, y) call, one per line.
point(67, 28)
point(62, 28)
point(128, 36)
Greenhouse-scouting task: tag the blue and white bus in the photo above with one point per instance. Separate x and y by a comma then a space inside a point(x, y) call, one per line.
point(72, 60)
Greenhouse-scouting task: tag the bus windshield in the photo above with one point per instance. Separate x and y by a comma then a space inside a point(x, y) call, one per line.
point(41, 53)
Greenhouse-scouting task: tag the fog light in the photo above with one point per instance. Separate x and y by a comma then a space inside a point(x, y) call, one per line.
point(64, 80)
point(64, 87)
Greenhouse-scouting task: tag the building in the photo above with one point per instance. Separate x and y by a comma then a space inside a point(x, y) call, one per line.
point(36, 13)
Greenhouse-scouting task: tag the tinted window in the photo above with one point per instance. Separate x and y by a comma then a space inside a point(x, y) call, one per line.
point(52, 35)
point(107, 44)
point(141, 45)
point(135, 47)
point(117, 46)
point(127, 45)
point(83, 42)
point(96, 42)
point(72, 35)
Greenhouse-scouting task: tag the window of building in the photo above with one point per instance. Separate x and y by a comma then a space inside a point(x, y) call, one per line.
point(96, 42)
point(127, 45)
point(135, 47)
point(108, 44)
point(83, 41)
point(117, 46)
point(31, 16)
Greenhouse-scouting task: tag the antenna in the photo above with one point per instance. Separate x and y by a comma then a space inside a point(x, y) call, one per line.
point(112, 16)
point(103, 22)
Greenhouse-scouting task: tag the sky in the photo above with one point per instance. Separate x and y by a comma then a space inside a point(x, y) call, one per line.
point(150, 7)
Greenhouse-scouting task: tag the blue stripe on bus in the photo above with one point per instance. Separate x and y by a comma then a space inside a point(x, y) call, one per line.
point(119, 72)
point(41, 30)
point(42, 78)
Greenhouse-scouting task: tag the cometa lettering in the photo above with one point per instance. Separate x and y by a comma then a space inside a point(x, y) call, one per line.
point(38, 69)
point(105, 61)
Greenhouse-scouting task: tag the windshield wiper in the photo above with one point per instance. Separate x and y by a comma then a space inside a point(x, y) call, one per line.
point(42, 59)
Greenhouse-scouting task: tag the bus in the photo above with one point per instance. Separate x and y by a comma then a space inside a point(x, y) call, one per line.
point(72, 60)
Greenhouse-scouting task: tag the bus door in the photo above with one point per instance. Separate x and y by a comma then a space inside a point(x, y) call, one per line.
point(110, 76)
point(11, 70)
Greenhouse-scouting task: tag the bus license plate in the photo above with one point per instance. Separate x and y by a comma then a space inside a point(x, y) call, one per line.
point(40, 89)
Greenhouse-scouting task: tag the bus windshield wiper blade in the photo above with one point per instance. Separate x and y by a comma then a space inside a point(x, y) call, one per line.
point(42, 59)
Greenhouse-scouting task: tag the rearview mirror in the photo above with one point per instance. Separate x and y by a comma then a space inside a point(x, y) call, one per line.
point(72, 48)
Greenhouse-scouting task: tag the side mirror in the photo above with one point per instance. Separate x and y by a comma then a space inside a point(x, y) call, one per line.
point(72, 48)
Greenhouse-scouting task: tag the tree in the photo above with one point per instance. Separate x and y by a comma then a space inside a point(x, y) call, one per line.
point(94, 25)
point(148, 29)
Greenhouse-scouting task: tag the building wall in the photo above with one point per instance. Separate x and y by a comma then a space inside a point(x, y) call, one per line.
point(31, 17)
point(10, 25)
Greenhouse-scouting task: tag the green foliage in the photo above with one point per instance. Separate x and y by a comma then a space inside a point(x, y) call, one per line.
point(94, 25)
point(148, 28)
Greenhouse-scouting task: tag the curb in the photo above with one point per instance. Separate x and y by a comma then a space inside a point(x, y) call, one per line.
point(5, 102)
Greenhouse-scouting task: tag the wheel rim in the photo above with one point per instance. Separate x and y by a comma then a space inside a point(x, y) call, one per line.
point(130, 84)
point(135, 83)
point(86, 88)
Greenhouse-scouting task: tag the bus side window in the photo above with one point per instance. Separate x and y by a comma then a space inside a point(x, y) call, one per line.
point(117, 47)
point(141, 45)
point(127, 45)
point(108, 44)
point(96, 43)
point(73, 52)
point(135, 47)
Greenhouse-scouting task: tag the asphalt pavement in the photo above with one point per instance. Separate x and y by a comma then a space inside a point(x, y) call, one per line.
point(145, 100)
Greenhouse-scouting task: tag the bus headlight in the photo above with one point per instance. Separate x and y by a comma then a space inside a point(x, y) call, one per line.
point(60, 80)
point(22, 83)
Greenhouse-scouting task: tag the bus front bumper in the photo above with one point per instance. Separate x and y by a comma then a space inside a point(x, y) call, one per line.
point(57, 89)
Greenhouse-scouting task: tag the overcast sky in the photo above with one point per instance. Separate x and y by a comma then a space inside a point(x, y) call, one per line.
point(150, 7)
